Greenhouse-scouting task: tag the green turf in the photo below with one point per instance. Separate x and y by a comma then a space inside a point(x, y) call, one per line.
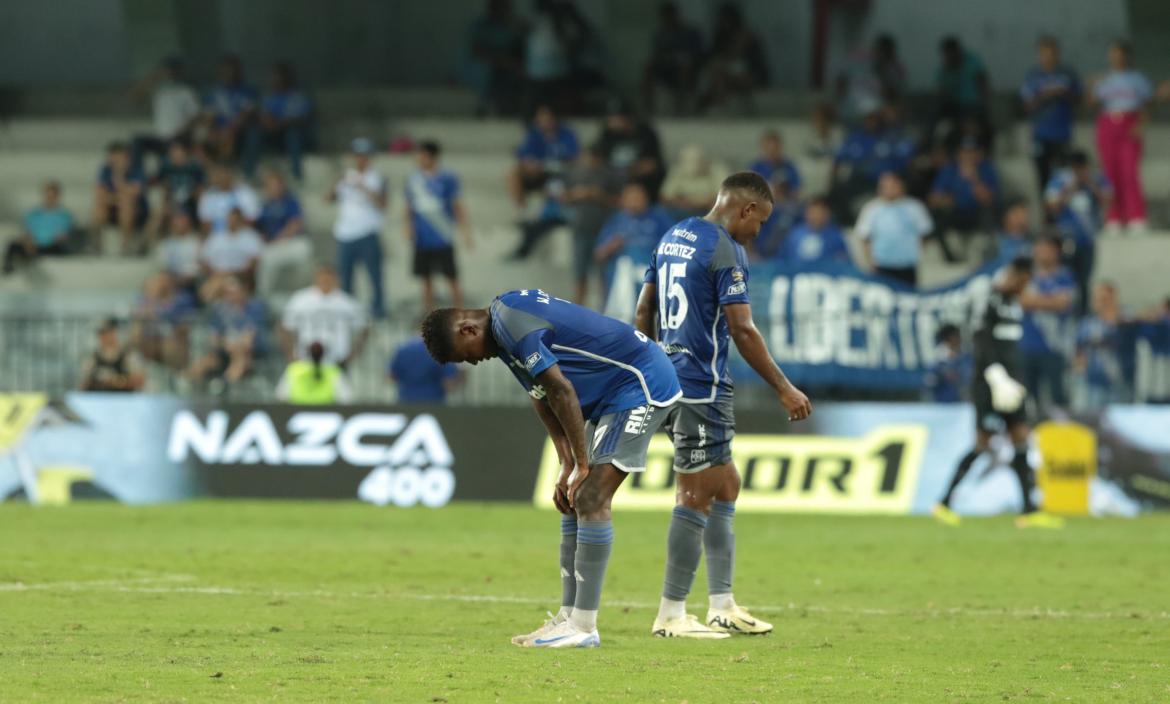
point(345, 602)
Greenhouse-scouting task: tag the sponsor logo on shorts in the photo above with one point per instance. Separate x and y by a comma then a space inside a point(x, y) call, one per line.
point(639, 417)
point(698, 456)
point(532, 361)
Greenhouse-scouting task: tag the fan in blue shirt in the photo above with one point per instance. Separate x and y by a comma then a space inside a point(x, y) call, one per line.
point(630, 234)
point(951, 371)
point(1050, 93)
point(549, 147)
point(286, 114)
point(1049, 304)
point(817, 239)
point(434, 215)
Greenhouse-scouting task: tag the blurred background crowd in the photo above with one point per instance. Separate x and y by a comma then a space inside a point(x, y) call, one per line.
point(274, 246)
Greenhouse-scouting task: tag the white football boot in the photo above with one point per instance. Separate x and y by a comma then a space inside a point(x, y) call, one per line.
point(736, 620)
point(566, 635)
point(550, 623)
point(687, 626)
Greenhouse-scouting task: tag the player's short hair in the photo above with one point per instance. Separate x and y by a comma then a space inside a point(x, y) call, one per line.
point(431, 147)
point(819, 199)
point(1050, 237)
point(946, 332)
point(437, 334)
point(1078, 158)
point(1021, 264)
point(749, 182)
point(1048, 41)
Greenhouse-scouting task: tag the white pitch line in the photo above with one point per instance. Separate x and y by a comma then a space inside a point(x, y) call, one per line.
point(91, 585)
point(130, 586)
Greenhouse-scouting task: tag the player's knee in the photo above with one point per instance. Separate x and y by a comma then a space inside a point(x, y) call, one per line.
point(695, 498)
point(589, 502)
point(731, 486)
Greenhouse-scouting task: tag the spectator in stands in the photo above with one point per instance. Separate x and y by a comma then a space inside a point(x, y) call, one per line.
point(549, 147)
point(46, 230)
point(434, 215)
point(737, 64)
point(873, 76)
point(181, 253)
point(326, 314)
point(112, 366)
point(313, 381)
point(421, 379)
point(777, 168)
point(361, 197)
point(233, 252)
point(676, 55)
point(964, 196)
point(231, 109)
point(1048, 303)
point(591, 191)
point(1098, 344)
point(282, 226)
point(817, 239)
point(1015, 235)
point(119, 197)
point(224, 193)
point(631, 145)
point(286, 117)
point(892, 227)
point(238, 321)
point(1122, 95)
point(1050, 93)
point(964, 90)
point(785, 180)
point(625, 242)
point(496, 65)
point(690, 187)
point(950, 374)
point(1077, 198)
point(174, 107)
point(857, 165)
point(548, 53)
point(182, 180)
point(162, 322)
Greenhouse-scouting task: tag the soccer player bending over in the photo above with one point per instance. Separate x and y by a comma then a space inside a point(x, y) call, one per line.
point(602, 389)
point(997, 393)
point(694, 301)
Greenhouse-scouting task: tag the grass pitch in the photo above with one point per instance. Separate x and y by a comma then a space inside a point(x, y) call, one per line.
point(232, 601)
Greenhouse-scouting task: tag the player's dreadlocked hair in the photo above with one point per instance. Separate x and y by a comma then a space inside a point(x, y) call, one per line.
point(750, 182)
point(436, 334)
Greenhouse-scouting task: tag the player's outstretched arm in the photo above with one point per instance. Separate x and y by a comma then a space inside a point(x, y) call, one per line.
point(646, 315)
point(750, 344)
point(560, 441)
point(562, 400)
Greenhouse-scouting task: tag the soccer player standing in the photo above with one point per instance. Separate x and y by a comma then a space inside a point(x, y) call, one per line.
point(997, 393)
point(694, 301)
point(602, 389)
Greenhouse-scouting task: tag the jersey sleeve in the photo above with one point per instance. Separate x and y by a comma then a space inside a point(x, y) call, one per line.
point(533, 354)
point(651, 275)
point(729, 272)
point(523, 336)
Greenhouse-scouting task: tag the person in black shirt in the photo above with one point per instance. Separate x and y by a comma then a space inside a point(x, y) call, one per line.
point(998, 396)
point(631, 145)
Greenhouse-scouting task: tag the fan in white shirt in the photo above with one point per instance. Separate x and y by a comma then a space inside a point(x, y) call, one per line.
point(224, 194)
point(326, 314)
point(234, 250)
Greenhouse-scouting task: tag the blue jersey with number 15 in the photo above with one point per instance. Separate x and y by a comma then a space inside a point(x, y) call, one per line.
point(697, 269)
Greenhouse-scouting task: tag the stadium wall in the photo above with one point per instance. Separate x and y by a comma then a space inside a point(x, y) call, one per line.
point(848, 458)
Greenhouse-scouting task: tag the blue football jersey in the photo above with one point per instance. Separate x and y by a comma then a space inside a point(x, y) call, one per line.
point(697, 269)
point(612, 366)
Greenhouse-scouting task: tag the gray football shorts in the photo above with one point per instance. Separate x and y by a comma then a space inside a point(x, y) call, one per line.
point(701, 434)
point(623, 438)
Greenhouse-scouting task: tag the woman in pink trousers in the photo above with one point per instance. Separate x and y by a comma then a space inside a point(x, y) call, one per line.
point(1122, 95)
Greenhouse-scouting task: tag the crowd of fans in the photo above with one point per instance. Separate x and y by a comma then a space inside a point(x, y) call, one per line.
point(896, 185)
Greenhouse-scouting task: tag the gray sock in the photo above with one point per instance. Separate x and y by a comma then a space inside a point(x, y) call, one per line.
point(684, 547)
point(594, 542)
point(568, 552)
point(719, 541)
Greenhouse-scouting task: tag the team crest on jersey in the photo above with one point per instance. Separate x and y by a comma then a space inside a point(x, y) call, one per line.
point(532, 361)
point(737, 274)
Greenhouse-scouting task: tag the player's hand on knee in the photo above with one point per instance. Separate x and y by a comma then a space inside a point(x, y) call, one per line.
point(796, 403)
point(561, 498)
point(578, 479)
